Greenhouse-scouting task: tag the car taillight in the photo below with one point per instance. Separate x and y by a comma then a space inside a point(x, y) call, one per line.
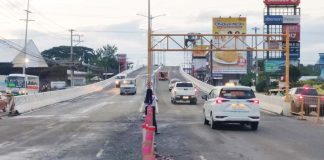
point(255, 101)
point(220, 100)
point(300, 97)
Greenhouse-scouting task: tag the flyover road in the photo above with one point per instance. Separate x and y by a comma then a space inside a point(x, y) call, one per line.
point(105, 125)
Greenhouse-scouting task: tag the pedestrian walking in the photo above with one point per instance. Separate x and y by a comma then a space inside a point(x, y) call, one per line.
point(151, 99)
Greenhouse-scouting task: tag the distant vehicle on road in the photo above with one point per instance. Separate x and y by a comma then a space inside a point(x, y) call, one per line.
point(307, 95)
point(128, 86)
point(235, 104)
point(184, 92)
point(119, 78)
point(172, 82)
point(163, 75)
point(22, 84)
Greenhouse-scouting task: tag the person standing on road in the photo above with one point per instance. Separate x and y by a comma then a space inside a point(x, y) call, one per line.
point(151, 99)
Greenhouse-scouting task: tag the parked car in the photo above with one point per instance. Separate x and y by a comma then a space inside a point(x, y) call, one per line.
point(231, 104)
point(306, 95)
point(184, 92)
point(128, 86)
point(119, 78)
point(172, 82)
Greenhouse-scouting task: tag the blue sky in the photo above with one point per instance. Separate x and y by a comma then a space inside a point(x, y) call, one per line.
point(116, 22)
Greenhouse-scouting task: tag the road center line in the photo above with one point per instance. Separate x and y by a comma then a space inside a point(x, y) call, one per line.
point(98, 155)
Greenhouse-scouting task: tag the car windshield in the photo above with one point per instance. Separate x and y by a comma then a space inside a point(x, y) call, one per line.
point(237, 94)
point(184, 85)
point(120, 77)
point(309, 91)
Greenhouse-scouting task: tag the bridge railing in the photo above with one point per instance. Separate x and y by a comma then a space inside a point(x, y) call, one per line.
point(272, 104)
point(31, 102)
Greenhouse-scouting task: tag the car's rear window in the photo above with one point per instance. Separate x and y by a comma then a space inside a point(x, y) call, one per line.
point(184, 85)
point(237, 94)
point(308, 92)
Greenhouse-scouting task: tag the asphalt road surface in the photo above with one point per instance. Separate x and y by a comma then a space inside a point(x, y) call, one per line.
point(105, 125)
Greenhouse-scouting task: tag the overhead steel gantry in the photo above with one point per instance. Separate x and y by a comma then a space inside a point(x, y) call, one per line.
point(219, 42)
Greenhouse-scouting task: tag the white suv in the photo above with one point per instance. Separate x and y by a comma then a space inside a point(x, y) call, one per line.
point(231, 105)
point(184, 92)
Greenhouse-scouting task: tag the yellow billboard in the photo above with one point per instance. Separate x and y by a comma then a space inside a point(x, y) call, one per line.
point(229, 62)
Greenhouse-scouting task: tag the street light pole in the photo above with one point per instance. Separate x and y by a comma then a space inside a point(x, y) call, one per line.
point(26, 36)
point(256, 55)
point(149, 42)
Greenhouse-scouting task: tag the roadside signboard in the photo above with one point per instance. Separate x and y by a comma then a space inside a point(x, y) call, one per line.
point(282, 2)
point(229, 62)
point(294, 48)
point(294, 31)
point(281, 19)
point(274, 66)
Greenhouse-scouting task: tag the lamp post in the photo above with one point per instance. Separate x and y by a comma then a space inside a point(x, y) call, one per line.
point(256, 55)
point(149, 40)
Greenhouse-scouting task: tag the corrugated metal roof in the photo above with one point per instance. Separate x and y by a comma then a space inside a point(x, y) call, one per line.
point(11, 52)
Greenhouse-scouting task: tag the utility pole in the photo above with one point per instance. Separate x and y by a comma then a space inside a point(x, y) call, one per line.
point(211, 63)
point(71, 54)
point(71, 59)
point(26, 36)
point(256, 55)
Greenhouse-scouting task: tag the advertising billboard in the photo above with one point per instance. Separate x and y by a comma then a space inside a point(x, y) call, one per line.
point(282, 2)
point(274, 66)
point(229, 62)
point(279, 19)
point(294, 31)
point(294, 48)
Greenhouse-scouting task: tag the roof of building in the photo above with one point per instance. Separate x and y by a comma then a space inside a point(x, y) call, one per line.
point(12, 51)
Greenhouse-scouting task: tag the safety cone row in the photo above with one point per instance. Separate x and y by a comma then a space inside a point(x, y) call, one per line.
point(148, 131)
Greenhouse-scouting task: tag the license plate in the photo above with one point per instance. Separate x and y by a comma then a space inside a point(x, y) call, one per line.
point(238, 107)
point(185, 97)
point(313, 106)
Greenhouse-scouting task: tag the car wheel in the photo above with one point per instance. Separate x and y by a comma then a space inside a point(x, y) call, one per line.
point(254, 126)
point(213, 124)
point(206, 122)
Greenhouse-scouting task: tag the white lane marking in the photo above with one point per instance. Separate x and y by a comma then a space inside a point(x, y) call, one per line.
point(74, 135)
point(202, 158)
point(35, 116)
point(98, 155)
point(94, 107)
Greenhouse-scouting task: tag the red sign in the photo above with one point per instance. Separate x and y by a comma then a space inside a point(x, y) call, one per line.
point(121, 58)
point(282, 2)
point(294, 31)
point(32, 87)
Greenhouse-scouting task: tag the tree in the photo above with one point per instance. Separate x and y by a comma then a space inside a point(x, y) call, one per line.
point(247, 80)
point(294, 73)
point(106, 57)
point(63, 53)
point(309, 70)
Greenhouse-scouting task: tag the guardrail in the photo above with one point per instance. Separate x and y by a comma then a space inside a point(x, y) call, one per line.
point(272, 104)
point(31, 102)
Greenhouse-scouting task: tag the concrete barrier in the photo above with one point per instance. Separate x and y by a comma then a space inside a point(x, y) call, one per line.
point(273, 104)
point(31, 102)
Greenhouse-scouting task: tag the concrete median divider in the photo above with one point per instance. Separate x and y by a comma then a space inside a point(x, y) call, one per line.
point(273, 104)
point(31, 102)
